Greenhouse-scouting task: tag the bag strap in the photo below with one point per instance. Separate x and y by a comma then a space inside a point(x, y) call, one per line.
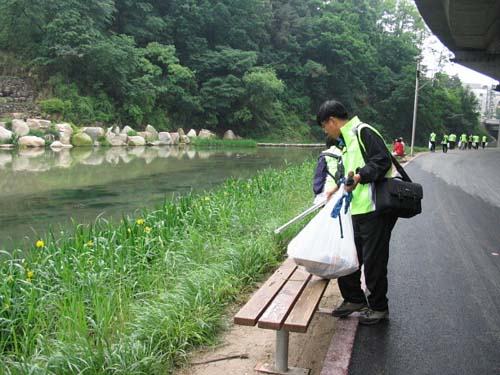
point(398, 166)
point(332, 155)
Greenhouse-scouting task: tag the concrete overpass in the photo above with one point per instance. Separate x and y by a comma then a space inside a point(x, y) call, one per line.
point(469, 28)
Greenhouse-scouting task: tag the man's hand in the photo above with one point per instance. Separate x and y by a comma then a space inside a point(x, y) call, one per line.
point(352, 181)
point(331, 192)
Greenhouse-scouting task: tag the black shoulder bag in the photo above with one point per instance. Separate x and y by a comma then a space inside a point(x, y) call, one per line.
point(398, 196)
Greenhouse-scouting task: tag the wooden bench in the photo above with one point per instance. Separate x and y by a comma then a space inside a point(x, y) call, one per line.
point(286, 302)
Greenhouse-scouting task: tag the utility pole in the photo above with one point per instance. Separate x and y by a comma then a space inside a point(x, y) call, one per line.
point(415, 106)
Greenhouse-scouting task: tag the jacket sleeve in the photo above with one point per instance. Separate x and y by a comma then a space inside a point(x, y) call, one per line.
point(319, 175)
point(377, 157)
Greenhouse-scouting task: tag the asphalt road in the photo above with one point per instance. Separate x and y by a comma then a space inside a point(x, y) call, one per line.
point(444, 276)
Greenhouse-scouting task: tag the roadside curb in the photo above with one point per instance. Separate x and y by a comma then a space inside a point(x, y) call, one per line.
point(339, 353)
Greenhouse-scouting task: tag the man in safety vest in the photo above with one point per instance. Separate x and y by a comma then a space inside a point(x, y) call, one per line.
point(444, 143)
point(463, 141)
point(483, 141)
point(475, 141)
point(366, 159)
point(432, 140)
point(452, 139)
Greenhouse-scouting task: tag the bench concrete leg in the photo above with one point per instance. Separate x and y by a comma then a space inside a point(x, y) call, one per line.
point(281, 358)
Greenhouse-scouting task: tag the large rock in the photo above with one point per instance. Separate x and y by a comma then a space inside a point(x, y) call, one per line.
point(151, 130)
point(116, 140)
point(175, 138)
point(38, 124)
point(44, 124)
point(82, 140)
point(165, 138)
point(94, 132)
point(136, 141)
point(5, 135)
point(181, 132)
point(115, 129)
point(65, 132)
point(126, 129)
point(185, 139)
point(191, 133)
point(229, 135)
point(2, 124)
point(58, 145)
point(206, 134)
point(20, 128)
point(31, 141)
point(149, 137)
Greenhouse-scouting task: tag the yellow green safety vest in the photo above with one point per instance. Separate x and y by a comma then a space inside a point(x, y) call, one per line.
point(362, 197)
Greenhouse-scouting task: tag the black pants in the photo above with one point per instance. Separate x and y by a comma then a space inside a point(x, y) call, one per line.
point(372, 234)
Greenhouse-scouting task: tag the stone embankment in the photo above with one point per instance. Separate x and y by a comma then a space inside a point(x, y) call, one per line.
point(17, 96)
point(39, 133)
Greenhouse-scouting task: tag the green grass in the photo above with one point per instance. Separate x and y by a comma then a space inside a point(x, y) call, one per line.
point(223, 142)
point(136, 296)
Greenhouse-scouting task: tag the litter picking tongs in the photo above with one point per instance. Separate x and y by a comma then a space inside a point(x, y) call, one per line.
point(301, 215)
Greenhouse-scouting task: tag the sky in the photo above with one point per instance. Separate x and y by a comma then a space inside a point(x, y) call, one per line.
point(434, 51)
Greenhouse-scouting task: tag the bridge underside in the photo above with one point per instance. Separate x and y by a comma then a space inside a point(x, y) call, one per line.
point(470, 29)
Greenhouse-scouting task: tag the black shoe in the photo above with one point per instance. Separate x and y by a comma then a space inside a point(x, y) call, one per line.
point(347, 308)
point(369, 316)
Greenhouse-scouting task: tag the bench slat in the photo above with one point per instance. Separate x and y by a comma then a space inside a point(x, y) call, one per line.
point(282, 304)
point(304, 309)
point(253, 309)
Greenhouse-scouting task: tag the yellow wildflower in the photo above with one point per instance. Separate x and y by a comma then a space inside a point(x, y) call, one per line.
point(29, 274)
point(89, 243)
point(140, 222)
point(40, 243)
point(206, 199)
point(129, 230)
point(147, 229)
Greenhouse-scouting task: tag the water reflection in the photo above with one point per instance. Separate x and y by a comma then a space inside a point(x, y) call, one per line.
point(41, 188)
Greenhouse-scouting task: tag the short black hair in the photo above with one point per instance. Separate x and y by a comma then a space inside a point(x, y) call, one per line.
point(331, 108)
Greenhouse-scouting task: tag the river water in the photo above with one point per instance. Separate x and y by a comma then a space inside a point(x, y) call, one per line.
point(42, 189)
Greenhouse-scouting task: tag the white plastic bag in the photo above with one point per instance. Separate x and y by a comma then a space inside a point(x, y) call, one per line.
point(324, 247)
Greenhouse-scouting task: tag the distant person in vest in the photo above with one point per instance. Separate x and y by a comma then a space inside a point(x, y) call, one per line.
point(366, 159)
point(452, 139)
point(483, 141)
point(329, 169)
point(469, 142)
point(463, 141)
point(475, 142)
point(432, 141)
point(444, 143)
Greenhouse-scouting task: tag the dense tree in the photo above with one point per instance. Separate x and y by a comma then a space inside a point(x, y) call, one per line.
point(260, 67)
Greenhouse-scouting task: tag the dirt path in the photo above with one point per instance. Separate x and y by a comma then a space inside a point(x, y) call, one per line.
point(306, 350)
